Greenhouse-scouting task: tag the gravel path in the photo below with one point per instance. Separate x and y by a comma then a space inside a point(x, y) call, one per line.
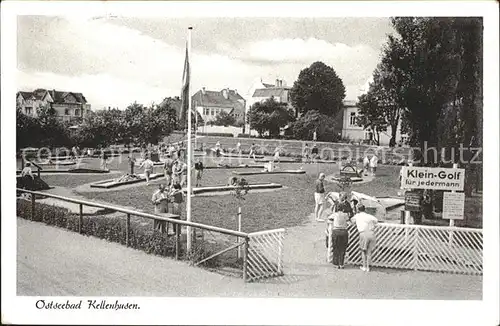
point(52, 261)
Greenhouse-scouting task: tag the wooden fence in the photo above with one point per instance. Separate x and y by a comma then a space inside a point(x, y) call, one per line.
point(426, 248)
point(262, 244)
point(265, 254)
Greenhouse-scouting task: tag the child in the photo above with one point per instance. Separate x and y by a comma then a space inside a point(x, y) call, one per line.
point(198, 172)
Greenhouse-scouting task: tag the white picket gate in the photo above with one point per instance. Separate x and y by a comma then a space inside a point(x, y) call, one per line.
point(426, 248)
point(265, 254)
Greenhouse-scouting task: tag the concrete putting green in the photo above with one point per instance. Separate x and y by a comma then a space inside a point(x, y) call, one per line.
point(222, 188)
point(113, 183)
point(272, 172)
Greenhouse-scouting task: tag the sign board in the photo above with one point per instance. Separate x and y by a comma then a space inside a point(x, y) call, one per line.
point(412, 201)
point(432, 178)
point(453, 205)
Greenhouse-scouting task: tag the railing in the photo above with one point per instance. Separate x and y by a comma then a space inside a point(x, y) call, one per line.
point(265, 254)
point(263, 240)
point(426, 248)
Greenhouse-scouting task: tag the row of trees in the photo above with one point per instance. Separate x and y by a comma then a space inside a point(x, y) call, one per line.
point(137, 124)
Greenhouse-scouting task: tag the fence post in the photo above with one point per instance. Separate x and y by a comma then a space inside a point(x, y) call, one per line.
point(280, 253)
point(239, 229)
point(177, 240)
point(452, 221)
point(329, 254)
point(127, 231)
point(80, 220)
point(32, 207)
point(245, 259)
point(415, 250)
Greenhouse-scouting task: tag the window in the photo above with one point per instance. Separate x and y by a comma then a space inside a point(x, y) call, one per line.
point(352, 119)
point(66, 111)
point(28, 110)
point(206, 111)
point(77, 112)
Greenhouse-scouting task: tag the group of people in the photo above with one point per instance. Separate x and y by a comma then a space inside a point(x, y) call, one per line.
point(161, 199)
point(343, 213)
point(310, 155)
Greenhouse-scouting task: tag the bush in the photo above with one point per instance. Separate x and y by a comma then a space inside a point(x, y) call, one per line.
point(112, 229)
point(215, 134)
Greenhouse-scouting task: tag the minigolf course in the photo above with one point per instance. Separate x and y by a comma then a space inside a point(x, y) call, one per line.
point(125, 180)
point(222, 188)
point(270, 172)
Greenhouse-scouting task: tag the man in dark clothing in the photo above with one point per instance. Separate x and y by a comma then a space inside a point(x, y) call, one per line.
point(198, 172)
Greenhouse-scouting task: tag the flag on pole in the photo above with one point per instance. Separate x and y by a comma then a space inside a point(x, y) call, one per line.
point(185, 91)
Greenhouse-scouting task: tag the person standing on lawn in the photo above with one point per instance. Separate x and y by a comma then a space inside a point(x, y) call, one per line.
point(366, 165)
point(183, 172)
point(238, 148)
point(365, 223)
point(177, 198)
point(277, 151)
point(148, 165)
point(104, 160)
point(160, 202)
point(131, 162)
point(373, 164)
point(252, 151)
point(314, 153)
point(198, 172)
point(176, 172)
point(306, 153)
point(319, 197)
point(167, 169)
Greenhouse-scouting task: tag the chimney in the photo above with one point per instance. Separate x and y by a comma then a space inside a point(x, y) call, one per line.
point(225, 93)
point(277, 83)
point(203, 90)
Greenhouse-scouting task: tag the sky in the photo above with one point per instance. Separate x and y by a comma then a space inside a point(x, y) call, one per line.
point(115, 61)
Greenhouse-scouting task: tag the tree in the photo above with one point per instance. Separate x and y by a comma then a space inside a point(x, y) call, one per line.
point(438, 65)
point(52, 132)
point(134, 120)
point(27, 130)
point(269, 116)
point(371, 116)
point(223, 119)
point(312, 121)
point(318, 88)
point(162, 120)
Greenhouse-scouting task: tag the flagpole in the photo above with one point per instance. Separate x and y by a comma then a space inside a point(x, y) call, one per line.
point(189, 156)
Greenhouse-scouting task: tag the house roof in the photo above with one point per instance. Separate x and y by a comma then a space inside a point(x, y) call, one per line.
point(268, 85)
point(57, 96)
point(270, 91)
point(25, 95)
point(60, 96)
point(217, 99)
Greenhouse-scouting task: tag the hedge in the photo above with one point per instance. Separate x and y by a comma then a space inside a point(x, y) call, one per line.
point(215, 134)
point(113, 229)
